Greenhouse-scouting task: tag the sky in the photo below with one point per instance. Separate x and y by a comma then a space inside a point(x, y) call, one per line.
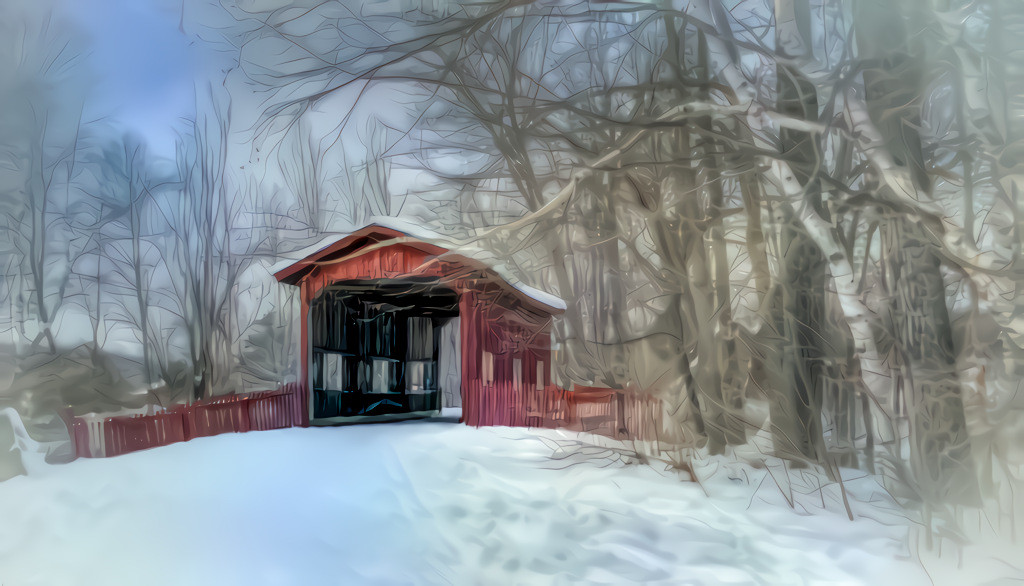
point(145, 66)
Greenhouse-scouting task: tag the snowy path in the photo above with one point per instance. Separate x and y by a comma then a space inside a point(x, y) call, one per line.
point(415, 502)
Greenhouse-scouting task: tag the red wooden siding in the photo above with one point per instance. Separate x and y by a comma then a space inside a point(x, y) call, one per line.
point(496, 394)
point(390, 262)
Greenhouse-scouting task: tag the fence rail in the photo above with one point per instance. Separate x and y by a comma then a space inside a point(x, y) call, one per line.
point(614, 413)
point(610, 412)
point(113, 436)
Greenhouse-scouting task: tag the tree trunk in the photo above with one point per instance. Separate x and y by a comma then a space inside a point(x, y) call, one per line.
point(799, 318)
point(940, 446)
point(140, 290)
point(796, 414)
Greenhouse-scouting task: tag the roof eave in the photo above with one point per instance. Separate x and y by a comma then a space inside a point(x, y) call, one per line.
point(298, 270)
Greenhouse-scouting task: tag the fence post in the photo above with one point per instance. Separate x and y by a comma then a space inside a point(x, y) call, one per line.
point(245, 423)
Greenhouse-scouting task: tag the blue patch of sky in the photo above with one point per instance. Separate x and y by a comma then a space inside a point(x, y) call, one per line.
point(145, 67)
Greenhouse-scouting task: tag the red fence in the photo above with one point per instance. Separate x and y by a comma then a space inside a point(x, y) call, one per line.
point(112, 436)
point(129, 434)
point(611, 412)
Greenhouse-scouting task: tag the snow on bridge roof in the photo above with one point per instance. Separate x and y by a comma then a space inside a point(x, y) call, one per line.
point(292, 270)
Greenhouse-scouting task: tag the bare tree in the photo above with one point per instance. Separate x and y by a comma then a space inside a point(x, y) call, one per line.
point(202, 231)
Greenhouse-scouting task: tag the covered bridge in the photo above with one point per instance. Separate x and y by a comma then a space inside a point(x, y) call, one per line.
point(395, 326)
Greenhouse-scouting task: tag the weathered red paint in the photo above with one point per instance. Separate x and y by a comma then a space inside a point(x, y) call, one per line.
point(611, 412)
point(305, 298)
point(495, 332)
point(498, 321)
point(499, 324)
point(114, 436)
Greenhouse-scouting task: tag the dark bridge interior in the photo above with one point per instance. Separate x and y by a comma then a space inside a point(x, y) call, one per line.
point(375, 347)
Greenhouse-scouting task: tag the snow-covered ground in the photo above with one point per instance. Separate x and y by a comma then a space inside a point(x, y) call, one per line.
point(428, 502)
